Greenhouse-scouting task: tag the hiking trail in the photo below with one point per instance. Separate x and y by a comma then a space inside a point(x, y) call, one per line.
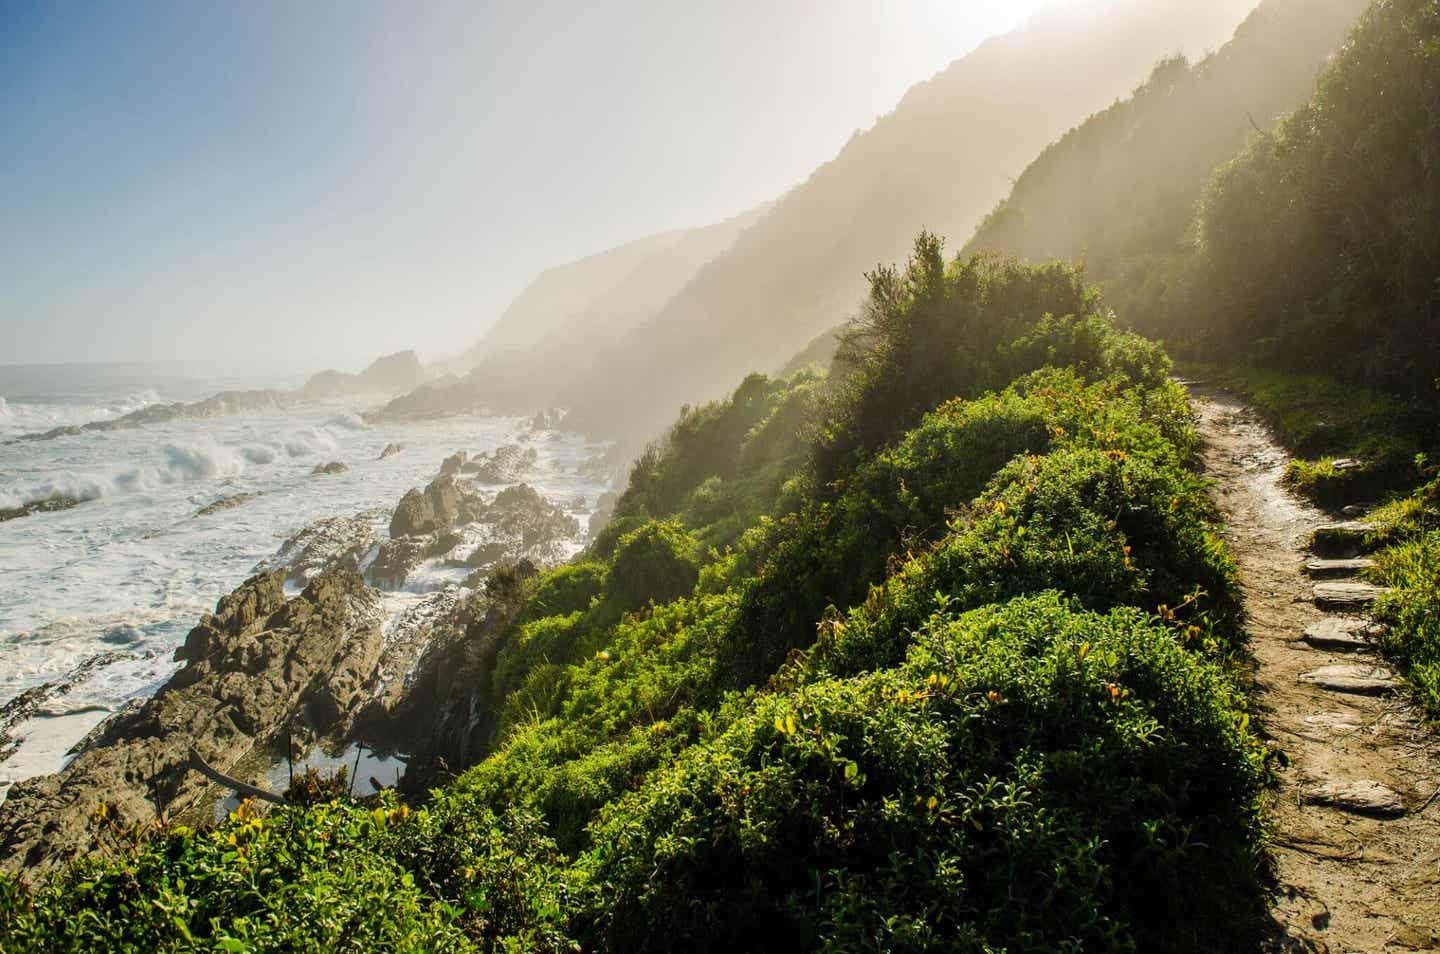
point(1355, 818)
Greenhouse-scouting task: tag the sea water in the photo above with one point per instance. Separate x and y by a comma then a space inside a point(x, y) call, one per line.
point(126, 574)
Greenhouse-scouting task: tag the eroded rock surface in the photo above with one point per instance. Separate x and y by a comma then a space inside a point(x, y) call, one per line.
point(259, 661)
point(326, 543)
point(504, 465)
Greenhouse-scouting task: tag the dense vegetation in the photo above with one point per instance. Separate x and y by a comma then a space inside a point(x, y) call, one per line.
point(939, 160)
point(1120, 190)
point(1319, 247)
point(933, 652)
point(1407, 540)
point(946, 669)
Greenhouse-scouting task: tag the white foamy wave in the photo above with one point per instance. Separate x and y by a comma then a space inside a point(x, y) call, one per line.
point(350, 421)
point(4, 408)
point(305, 441)
point(177, 463)
point(131, 402)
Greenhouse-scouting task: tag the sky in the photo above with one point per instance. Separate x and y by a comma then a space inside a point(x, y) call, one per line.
point(315, 183)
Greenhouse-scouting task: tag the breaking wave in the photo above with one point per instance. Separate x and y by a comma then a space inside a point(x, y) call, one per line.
point(174, 463)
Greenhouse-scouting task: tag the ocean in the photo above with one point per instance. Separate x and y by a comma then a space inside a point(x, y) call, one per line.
point(110, 588)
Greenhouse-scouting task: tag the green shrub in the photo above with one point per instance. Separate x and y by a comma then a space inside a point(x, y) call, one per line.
point(320, 878)
point(1031, 778)
point(565, 589)
point(657, 562)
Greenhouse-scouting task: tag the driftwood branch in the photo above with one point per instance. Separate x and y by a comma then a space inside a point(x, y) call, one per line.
point(241, 788)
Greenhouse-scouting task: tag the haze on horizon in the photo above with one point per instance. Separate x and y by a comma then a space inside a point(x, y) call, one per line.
point(313, 185)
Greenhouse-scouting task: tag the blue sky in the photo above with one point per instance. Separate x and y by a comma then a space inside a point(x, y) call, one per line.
point(315, 183)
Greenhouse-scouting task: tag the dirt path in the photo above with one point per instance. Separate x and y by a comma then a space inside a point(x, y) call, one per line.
point(1356, 827)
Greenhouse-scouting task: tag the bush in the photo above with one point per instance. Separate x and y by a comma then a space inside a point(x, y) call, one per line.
point(1031, 778)
point(655, 563)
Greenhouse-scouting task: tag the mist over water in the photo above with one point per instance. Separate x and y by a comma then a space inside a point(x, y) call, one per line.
point(129, 572)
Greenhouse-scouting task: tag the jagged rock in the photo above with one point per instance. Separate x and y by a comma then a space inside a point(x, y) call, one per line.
point(445, 714)
point(1332, 568)
point(391, 450)
point(1347, 594)
point(1354, 678)
point(1360, 797)
point(434, 509)
point(327, 543)
point(1346, 633)
point(227, 503)
point(453, 464)
point(399, 556)
point(48, 505)
point(333, 467)
point(504, 465)
point(258, 662)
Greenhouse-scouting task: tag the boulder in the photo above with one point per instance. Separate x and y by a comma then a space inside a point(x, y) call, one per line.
point(391, 450)
point(453, 464)
point(432, 510)
point(333, 467)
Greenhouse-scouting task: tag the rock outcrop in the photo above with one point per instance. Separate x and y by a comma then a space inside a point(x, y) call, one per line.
point(331, 542)
point(391, 450)
point(432, 510)
point(450, 519)
point(227, 503)
point(333, 467)
point(48, 505)
point(258, 663)
point(504, 465)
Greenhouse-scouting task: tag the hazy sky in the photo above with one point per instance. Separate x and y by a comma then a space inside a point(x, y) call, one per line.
point(315, 183)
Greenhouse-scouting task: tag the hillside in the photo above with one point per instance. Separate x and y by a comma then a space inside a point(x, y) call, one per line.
point(1319, 247)
point(942, 159)
point(1120, 190)
point(605, 294)
point(665, 752)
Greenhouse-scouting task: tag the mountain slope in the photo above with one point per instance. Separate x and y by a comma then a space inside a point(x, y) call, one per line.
point(939, 160)
point(1120, 190)
point(607, 293)
point(1319, 247)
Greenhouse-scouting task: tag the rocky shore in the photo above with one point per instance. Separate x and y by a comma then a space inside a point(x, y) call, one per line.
point(353, 656)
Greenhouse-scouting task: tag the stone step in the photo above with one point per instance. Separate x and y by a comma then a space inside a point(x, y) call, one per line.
point(1359, 797)
point(1323, 568)
point(1344, 633)
point(1346, 594)
point(1335, 538)
point(1355, 678)
point(1335, 722)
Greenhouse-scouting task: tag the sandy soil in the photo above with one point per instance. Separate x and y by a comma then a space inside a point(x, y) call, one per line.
point(1358, 863)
